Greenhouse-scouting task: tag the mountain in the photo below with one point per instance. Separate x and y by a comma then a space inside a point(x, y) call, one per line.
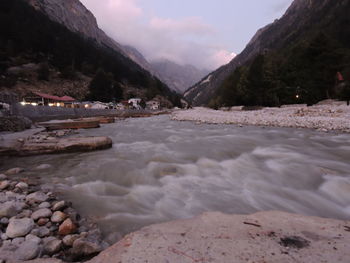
point(62, 39)
point(178, 77)
point(311, 38)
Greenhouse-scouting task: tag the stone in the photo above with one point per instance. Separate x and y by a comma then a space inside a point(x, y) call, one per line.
point(59, 206)
point(67, 227)
point(4, 237)
point(69, 240)
point(42, 232)
point(45, 205)
point(33, 238)
point(58, 217)
point(25, 213)
point(41, 213)
point(23, 186)
point(17, 241)
point(43, 167)
point(4, 185)
point(83, 248)
point(19, 227)
point(53, 246)
point(42, 221)
point(3, 177)
point(14, 171)
point(37, 197)
point(8, 209)
point(28, 250)
point(4, 221)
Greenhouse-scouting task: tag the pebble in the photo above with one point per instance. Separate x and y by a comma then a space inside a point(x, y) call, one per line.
point(59, 206)
point(53, 246)
point(3, 177)
point(17, 241)
point(67, 227)
point(69, 240)
point(43, 221)
point(41, 213)
point(45, 205)
point(83, 247)
point(58, 217)
point(28, 250)
point(4, 185)
point(33, 238)
point(7, 209)
point(37, 197)
point(19, 227)
point(21, 185)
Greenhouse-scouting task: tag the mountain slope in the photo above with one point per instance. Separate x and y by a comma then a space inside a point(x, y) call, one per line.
point(30, 36)
point(302, 21)
point(178, 77)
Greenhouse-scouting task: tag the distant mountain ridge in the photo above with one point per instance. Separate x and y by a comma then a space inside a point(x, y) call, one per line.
point(301, 17)
point(178, 77)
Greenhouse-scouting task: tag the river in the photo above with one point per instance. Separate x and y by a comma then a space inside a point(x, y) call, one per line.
point(159, 170)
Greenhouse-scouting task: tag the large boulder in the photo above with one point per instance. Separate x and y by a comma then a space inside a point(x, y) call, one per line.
point(216, 237)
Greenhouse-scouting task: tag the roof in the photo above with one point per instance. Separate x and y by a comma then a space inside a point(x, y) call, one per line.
point(52, 97)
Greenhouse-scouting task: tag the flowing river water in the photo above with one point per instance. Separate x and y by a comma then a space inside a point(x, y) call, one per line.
point(159, 170)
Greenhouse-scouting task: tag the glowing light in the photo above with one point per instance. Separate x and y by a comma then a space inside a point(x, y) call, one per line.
point(57, 104)
point(34, 104)
point(86, 105)
point(297, 96)
point(51, 104)
point(23, 103)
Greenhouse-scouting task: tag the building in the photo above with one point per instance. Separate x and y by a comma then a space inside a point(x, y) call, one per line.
point(135, 103)
point(99, 105)
point(152, 105)
point(42, 99)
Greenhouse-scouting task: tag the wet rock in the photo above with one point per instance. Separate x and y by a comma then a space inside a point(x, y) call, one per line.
point(83, 248)
point(67, 227)
point(8, 209)
point(59, 206)
point(69, 240)
point(43, 167)
point(4, 185)
point(41, 213)
point(28, 250)
point(14, 171)
point(53, 246)
point(45, 205)
point(58, 217)
point(37, 197)
point(19, 227)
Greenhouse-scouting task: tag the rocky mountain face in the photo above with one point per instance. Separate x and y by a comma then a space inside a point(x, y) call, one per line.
point(77, 18)
point(300, 18)
point(178, 77)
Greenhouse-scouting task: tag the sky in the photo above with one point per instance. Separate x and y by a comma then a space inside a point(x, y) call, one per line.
point(204, 33)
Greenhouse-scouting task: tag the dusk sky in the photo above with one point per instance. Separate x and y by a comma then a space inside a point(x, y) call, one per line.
point(205, 33)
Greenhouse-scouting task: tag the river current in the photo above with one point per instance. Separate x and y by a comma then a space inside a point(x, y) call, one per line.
point(159, 170)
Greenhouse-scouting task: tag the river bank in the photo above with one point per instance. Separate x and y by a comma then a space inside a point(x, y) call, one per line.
point(326, 116)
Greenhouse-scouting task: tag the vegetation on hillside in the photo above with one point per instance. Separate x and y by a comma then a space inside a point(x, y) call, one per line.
point(30, 36)
point(302, 70)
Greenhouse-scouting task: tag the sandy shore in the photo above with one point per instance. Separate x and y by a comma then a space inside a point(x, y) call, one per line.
point(326, 116)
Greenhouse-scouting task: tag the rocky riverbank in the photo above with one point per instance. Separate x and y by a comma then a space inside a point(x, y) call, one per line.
point(35, 223)
point(327, 116)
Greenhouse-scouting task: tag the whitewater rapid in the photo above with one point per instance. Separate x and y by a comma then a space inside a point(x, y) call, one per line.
point(160, 170)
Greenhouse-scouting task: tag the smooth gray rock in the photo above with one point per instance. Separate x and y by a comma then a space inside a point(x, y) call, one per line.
point(33, 238)
point(23, 186)
point(43, 231)
point(69, 240)
point(41, 213)
point(53, 246)
point(83, 247)
point(37, 197)
point(7, 209)
point(4, 221)
point(17, 241)
point(45, 205)
point(19, 227)
point(3, 177)
point(28, 250)
point(43, 167)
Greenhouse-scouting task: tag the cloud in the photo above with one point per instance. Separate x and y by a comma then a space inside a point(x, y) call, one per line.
point(186, 41)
